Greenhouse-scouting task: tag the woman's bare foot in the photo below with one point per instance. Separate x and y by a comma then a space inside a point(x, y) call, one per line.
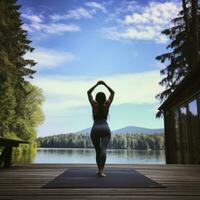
point(101, 174)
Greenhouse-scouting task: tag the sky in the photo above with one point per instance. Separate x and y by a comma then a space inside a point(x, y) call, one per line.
point(78, 42)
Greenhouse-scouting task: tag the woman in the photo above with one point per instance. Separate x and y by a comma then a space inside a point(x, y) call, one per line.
point(100, 132)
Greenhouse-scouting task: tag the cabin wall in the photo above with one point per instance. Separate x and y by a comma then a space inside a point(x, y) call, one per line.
point(182, 131)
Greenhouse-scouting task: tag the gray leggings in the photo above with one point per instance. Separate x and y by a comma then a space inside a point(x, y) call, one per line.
point(100, 135)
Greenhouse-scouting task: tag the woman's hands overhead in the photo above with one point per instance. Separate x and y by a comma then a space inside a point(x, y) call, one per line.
point(110, 99)
point(100, 83)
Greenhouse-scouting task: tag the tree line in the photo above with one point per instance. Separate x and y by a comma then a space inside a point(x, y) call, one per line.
point(118, 141)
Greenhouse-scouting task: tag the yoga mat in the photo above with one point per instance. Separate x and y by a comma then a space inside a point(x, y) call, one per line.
point(115, 178)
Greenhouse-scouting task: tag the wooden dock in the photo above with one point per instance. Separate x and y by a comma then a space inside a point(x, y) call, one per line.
point(23, 182)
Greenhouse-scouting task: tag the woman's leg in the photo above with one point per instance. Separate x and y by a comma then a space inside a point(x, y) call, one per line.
point(103, 146)
point(96, 142)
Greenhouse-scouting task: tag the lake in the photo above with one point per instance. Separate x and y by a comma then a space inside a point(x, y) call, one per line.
point(120, 156)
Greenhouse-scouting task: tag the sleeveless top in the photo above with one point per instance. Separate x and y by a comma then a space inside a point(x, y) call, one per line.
point(100, 115)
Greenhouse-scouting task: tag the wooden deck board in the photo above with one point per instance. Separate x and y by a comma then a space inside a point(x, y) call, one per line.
point(25, 181)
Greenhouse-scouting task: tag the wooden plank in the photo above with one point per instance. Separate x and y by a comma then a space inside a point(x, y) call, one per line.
point(25, 182)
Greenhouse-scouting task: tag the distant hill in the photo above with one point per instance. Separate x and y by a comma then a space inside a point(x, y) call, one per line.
point(84, 131)
point(129, 129)
point(135, 129)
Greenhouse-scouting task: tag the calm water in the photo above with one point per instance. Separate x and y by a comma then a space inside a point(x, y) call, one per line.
point(53, 155)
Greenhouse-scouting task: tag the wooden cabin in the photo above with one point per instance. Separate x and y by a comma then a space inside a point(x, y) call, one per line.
point(182, 121)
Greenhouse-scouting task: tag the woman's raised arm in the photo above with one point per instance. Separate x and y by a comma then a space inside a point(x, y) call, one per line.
point(89, 93)
point(111, 97)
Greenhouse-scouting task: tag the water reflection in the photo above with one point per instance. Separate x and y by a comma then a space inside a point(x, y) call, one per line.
point(24, 156)
point(59, 155)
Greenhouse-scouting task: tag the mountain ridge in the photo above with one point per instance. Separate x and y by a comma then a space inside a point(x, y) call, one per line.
point(129, 129)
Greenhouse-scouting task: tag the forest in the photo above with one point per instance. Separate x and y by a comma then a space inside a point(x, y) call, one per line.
point(118, 141)
point(20, 100)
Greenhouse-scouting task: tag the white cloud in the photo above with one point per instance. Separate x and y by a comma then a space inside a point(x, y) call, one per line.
point(155, 13)
point(36, 23)
point(53, 28)
point(78, 14)
point(135, 33)
point(128, 6)
point(46, 24)
point(125, 6)
point(144, 24)
point(75, 14)
point(81, 12)
point(33, 18)
point(63, 92)
point(49, 58)
point(96, 6)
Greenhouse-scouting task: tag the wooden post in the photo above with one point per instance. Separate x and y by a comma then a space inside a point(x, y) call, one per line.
point(2, 156)
point(7, 156)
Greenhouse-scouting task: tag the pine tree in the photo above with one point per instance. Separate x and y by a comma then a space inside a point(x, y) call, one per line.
point(7, 98)
point(15, 89)
point(184, 55)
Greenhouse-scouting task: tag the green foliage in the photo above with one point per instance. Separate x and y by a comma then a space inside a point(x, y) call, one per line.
point(29, 114)
point(118, 141)
point(183, 55)
point(20, 101)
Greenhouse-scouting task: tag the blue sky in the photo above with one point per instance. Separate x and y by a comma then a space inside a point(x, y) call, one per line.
point(79, 42)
